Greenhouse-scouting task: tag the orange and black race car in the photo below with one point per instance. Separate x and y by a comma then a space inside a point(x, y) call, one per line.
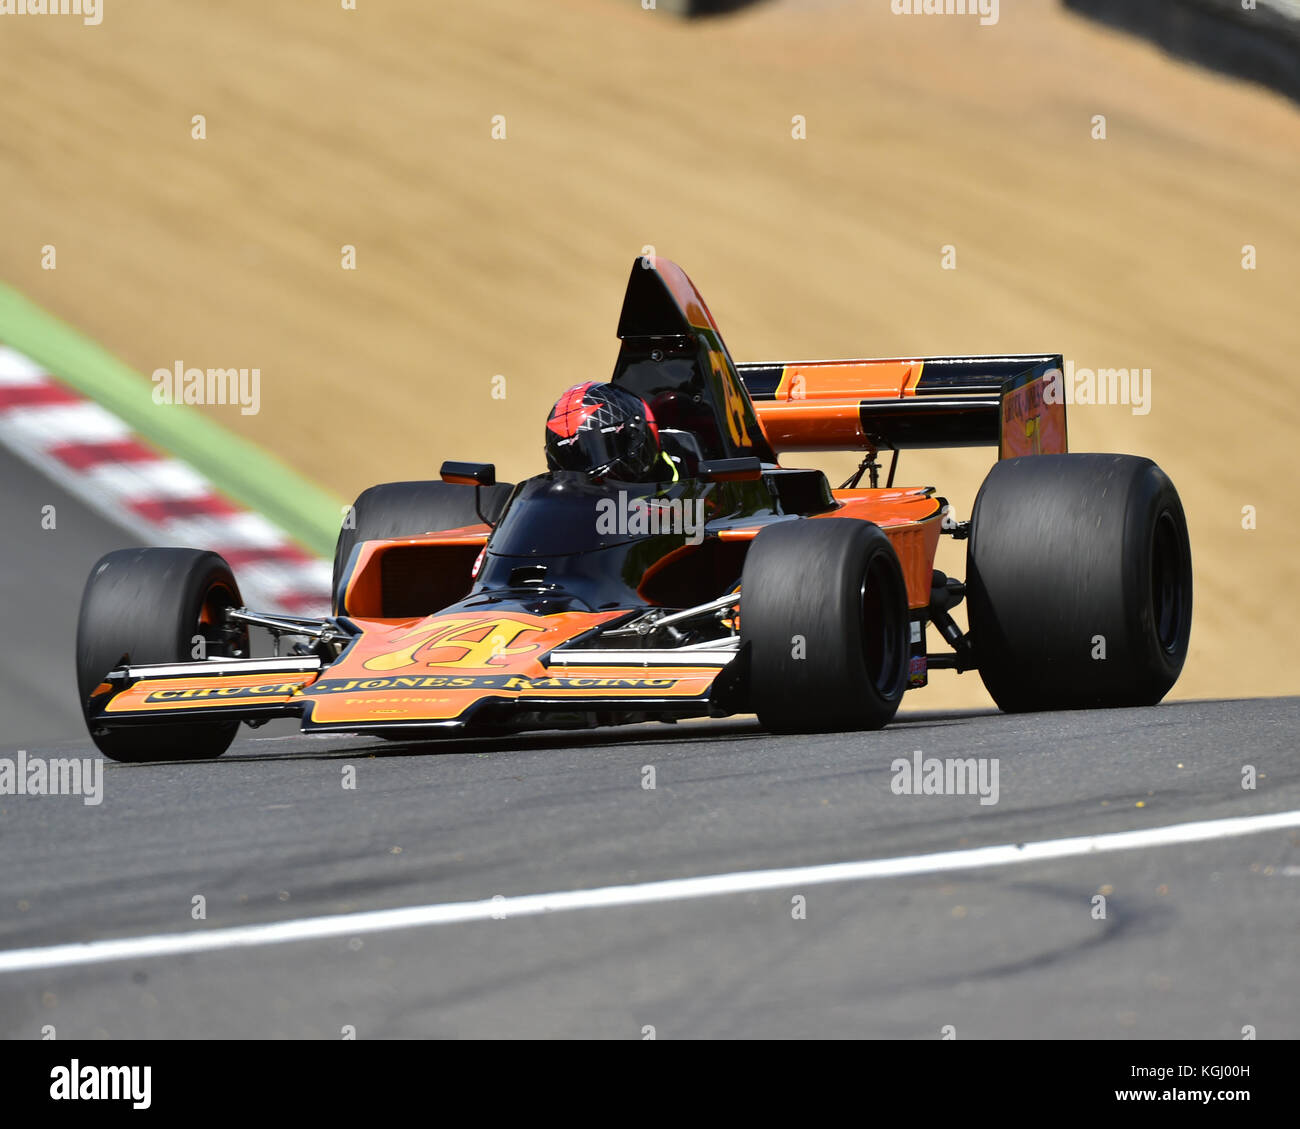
point(668, 565)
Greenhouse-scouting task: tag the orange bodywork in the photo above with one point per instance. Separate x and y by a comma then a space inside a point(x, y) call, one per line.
point(437, 668)
point(817, 402)
point(910, 518)
point(841, 380)
point(446, 559)
point(812, 425)
point(429, 670)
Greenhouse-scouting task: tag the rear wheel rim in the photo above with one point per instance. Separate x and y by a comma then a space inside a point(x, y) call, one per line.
point(881, 637)
point(1168, 599)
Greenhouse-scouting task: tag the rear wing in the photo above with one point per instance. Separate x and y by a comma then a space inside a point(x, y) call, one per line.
point(1015, 403)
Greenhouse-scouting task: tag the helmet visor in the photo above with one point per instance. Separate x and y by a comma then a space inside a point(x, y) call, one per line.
point(594, 450)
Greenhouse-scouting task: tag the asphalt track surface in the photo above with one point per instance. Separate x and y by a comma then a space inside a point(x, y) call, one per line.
point(1199, 940)
point(42, 572)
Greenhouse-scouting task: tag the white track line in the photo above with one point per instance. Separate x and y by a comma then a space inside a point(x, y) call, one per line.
point(675, 889)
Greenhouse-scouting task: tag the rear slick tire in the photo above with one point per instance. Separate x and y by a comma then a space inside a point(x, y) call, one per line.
point(1079, 582)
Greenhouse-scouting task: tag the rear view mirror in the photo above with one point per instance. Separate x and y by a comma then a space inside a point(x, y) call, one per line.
point(469, 474)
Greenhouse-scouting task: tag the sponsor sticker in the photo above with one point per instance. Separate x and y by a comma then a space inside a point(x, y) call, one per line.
point(510, 682)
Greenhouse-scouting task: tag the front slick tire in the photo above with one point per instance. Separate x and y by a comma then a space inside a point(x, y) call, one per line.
point(151, 605)
point(1079, 582)
point(823, 611)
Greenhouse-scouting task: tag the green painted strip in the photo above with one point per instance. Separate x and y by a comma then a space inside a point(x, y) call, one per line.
point(238, 468)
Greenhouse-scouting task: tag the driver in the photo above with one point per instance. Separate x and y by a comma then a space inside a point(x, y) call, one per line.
point(606, 432)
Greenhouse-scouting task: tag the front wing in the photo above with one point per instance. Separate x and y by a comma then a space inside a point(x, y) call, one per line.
point(383, 681)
